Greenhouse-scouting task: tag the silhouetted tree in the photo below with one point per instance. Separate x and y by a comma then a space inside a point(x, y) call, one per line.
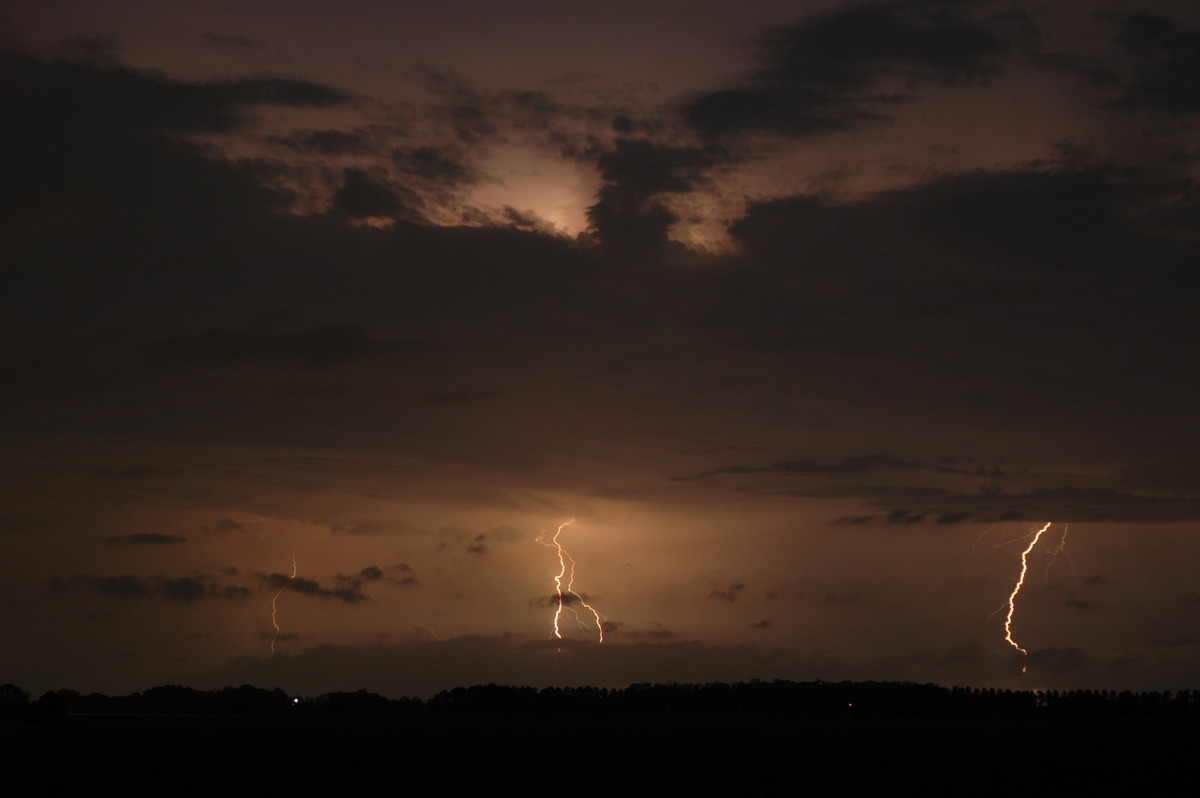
point(14, 702)
point(50, 710)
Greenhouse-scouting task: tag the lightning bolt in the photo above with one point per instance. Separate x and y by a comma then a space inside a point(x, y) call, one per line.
point(1061, 548)
point(566, 570)
point(1012, 598)
point(275, 598)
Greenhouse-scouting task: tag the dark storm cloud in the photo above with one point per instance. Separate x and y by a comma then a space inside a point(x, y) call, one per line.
point(401, 574)
point(849, 465)
point(96, 103)
point(145, 539)
point(219, 41)
point(227, 526)
point(371, 573)
point(556, 600)
point(125, 587)
point(992, 505)
point(729, 593)
point(183, 589)
point(1166, 62)
point(825, 73)
point(1038, 224)
point(370, 527)
point(628, 215)
point(363, 195)
point(976, 285)
point(319, 347)
point(907, 504)
point(435, 165)
point(348, 590)
point(324, 142)
point(1029, 283)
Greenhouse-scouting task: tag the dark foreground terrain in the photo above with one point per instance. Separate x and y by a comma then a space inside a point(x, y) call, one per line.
point(464, 750)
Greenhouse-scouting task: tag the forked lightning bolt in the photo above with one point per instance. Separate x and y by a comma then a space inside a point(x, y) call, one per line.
point(566, 570)
point(274, 609)
point(1012, 598)
point(1061, 548)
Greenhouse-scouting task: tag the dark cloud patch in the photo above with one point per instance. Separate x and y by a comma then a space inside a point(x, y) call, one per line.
point(323, 346)
point(228, 526)
point(764, 624)
point(629, 215)
point(401, 574)
point(231, 592)
point(145, 539)
point(1031, 224)
point(1166, 63)
point(909, 503)
point(1065, 504)
point(123, 587)
point(1095, 580)
point(849, 465)
point(324, 142)
point(233, 43)
point(379, 527)
point(826, 73)
point(348, 590)
point(61, 96)
point(438, 166)
point(555, 600)
point(183, 589)
point(856, 520)
point(370, 574)
point(364, 194)
point(478, 545)
point(902, 517)
point(729, 593)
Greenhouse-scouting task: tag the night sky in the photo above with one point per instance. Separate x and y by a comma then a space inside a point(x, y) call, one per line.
point(808, 313)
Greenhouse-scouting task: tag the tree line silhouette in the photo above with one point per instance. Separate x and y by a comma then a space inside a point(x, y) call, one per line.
point(767, 698)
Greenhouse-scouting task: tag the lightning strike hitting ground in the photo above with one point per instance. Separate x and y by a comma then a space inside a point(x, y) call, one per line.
point(566, 595)
point(1012, 598)
point(275, 598)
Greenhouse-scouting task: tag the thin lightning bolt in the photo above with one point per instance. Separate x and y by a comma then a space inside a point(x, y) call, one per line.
point(566, 570)
point(1012, 598)
point(1061, 548)
point(274, 610)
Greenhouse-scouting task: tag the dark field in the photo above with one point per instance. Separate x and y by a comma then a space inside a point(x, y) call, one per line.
point(658, 754)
